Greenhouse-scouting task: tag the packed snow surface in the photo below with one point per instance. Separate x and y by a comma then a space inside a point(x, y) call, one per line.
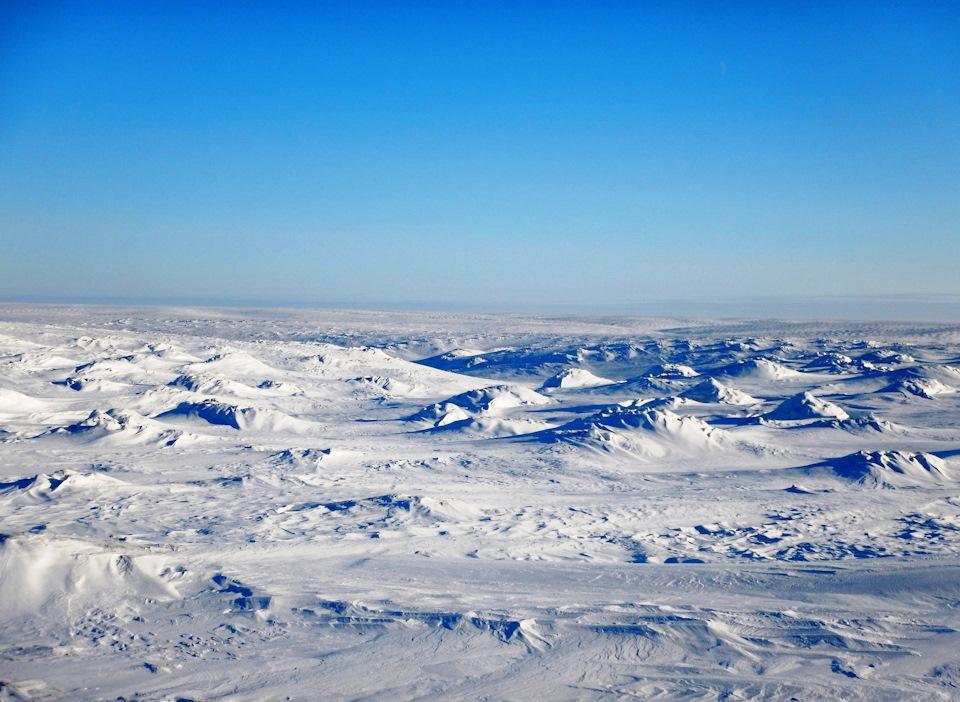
point(209, 504)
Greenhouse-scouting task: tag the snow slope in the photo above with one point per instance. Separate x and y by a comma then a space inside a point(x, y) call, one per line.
point(202, 504)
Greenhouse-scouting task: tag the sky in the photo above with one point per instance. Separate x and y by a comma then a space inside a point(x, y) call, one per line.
point(602, 156)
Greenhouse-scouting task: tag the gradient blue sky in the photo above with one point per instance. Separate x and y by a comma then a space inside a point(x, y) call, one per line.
point(524, 155)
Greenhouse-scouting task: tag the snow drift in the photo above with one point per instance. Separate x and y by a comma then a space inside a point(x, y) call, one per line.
point(893, 469)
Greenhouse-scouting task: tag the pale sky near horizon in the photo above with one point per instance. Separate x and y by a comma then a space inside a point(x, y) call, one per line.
point(479, 154)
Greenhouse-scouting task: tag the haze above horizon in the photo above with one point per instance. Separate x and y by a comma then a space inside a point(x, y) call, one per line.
point(543, 156)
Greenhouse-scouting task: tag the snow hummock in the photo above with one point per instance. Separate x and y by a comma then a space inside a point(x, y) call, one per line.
point(806, 406)
point(574, 378)
point(893, 469)
point(124, 427)
point(651, 433)
point(486, 401)
point(244, 418)
point(672, 370)
point(712, 390)
point(760, 368)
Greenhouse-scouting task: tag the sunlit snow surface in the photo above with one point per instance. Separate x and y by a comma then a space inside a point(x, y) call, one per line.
point(209, 504)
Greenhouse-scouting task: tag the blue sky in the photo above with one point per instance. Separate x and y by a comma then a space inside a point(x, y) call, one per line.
point(486, 155)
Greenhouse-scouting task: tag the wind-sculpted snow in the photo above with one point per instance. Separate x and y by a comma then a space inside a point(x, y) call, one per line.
point(238, 505)
point(573, 378)
point(711, 390)
point(806, 406)
point(648, 433)
point(893, 469)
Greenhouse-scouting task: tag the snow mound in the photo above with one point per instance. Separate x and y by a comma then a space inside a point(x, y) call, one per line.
point(399, 508)
point(46, 487)
point(759, 368)
point(921, 387)
point(237, 417)
point(659, 386)
point(893, 469)
point(672, 370)
point(806, 406)
point(385, 385)
point(886, 357)
point(309, 457)
point(649, 433)
point(233, 363)
point(86, 384)
point(40, 571)
point(489, 426)
point(868, 425)
point(931, 371)
point(16, 403)
point(574, 378)
point(212, 384)
point(834, 362)
point(485, 401)
point(712, 390)
point(120, 427)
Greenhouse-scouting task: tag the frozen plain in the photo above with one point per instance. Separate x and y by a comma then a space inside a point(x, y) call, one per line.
point(209, 504)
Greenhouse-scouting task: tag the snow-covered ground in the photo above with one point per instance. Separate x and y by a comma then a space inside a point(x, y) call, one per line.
point(203, 504)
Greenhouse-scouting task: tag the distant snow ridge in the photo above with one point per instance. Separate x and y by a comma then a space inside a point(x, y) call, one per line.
point(574, 378)
point(651, 433)
point(760, 368)
point(242, 418)
point(806, 406)
point(672, 370)
point(712, 390)
point(893, 469)
point(484, 401)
